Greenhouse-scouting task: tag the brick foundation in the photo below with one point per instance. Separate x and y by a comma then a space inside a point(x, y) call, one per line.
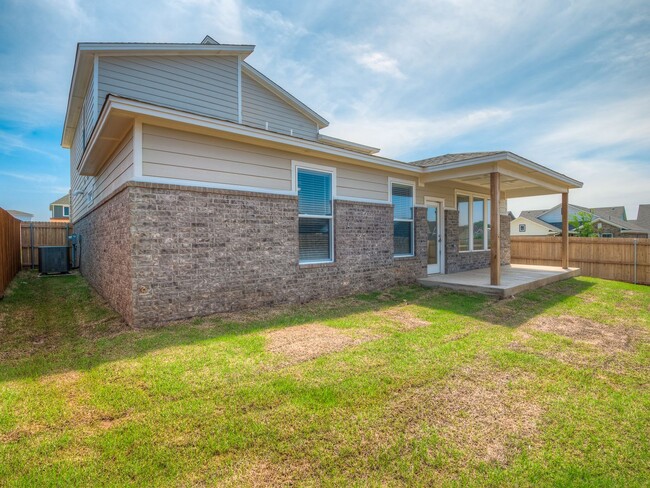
point(105, 252)
point(456, 261)
point(186, 251)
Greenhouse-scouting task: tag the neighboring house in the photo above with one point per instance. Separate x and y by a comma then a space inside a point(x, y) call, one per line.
point(200, 186)
point(608, 222)
point(22, 216)
point(643, 217)
point(529, 224)
point(60, 209)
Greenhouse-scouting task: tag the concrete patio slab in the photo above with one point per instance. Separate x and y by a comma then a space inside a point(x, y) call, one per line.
point(515, 278)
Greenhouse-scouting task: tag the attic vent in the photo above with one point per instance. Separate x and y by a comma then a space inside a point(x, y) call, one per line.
point(209, 40)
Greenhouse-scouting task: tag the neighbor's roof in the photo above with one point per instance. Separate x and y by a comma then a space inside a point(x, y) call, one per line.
point(607, 212)
point(643, 217)
point(20, 213)
point(452, 158)
point(64, 200)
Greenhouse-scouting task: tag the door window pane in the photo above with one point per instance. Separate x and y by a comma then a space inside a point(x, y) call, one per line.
point(432, 222)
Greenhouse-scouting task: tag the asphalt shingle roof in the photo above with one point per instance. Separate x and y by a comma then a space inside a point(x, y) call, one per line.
point(643, 217)
point(452, 158)
point(64, 200)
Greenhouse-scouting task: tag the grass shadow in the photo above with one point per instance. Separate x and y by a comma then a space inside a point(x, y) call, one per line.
point(54, 325)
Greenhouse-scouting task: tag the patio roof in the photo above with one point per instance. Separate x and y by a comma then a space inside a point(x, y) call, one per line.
point(520, 177)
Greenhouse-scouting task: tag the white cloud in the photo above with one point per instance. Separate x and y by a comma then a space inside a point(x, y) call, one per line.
point(380, 63)
point(396, 136)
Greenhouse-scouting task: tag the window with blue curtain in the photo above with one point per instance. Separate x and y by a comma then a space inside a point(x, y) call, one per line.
point(315, 216)
point(402, 200)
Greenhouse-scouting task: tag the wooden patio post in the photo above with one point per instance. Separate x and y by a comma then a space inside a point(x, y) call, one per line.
point(565, 230)
point(495, 235)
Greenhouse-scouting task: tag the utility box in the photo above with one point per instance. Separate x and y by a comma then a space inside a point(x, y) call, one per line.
point(53, 259)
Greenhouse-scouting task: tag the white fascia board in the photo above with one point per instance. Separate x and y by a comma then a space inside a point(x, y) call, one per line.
point(508, 156)
point(138, 48)
point(335, 141)
point(147, 109)
point(284, 95)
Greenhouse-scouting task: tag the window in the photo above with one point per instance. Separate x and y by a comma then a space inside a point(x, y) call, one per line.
point(66, 211)
point(402, 200)
point(522, 227)
point(463, 222)
point(473, 222)
point(315, 216)
point(606, 234)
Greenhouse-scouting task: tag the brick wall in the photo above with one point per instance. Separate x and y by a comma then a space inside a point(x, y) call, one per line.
point(199, 251)
point(456, 261)
point(105, 252)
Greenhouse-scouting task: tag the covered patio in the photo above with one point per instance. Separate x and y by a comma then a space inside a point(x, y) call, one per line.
point(515, 278)
point(501, 175)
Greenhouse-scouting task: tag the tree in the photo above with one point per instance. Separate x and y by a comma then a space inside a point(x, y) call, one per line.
point(583, 225)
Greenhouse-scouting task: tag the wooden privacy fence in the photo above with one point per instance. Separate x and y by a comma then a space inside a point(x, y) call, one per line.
point(9, 249)
point(37, 234)
point(621, 259)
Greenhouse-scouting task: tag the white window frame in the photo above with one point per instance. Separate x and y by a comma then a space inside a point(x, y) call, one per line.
point(66, 211)
point(295, 167)
point(391, 182)
point(522, 227)
point(486, 199)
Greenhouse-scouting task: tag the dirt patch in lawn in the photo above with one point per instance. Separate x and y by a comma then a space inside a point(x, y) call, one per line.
point(613, 342)
point(479, 411)
point(606, 337)
point(405, 319)
point(304, 342)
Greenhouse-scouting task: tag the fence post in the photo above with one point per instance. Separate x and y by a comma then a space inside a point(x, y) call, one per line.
point(31, 244)
point(635, 261)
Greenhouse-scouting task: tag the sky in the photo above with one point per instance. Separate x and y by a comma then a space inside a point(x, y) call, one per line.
point(563, 83)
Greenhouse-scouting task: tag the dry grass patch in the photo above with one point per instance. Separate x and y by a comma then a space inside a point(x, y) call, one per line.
point(263, 473)
point(405, 319)
point(304, 342)
point(477, 410)
point(606, 337)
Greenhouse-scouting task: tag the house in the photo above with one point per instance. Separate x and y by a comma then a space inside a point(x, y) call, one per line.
point(608, 222)
point(22, 216)
point(643, 217)
point(60, 209)
point(200, 186)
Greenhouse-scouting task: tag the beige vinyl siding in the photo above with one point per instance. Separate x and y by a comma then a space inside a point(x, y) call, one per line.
point(179, 155)
point(260, 106)
point(204, 85)
point(117, 170)
point(447, 191)
point(169, 153)
point(88, 110)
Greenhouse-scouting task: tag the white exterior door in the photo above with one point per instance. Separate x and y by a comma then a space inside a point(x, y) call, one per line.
point(434, 237)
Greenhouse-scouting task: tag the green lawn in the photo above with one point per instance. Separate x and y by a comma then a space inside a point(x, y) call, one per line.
point(406, 387)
